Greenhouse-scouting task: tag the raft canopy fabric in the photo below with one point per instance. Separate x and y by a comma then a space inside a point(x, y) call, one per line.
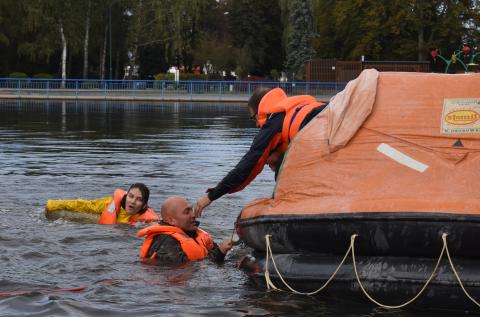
point(349, 109)
point(390, 142)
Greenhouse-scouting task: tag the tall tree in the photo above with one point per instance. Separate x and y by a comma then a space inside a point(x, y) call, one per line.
point(430, 24)
point(324, 27)
point(9, 35)
point(51, 26)
point(100, 21)
point(168, 25)
point(87, 39)
point(397, 29)
point(134, 36)
point(257, 28)
point(247, 35)
point(299, 44)
point(183, 24)
point(215, 50)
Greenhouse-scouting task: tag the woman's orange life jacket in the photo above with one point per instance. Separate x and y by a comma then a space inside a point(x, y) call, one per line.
point(296, 108)
point(110, 213)
point(195, 248)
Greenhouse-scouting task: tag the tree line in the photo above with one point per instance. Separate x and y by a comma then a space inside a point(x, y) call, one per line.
point(103, 38)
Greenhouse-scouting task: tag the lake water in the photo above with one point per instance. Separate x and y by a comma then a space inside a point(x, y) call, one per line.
point(68, 150)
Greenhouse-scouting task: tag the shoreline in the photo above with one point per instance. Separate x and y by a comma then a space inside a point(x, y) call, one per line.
point(125, 95)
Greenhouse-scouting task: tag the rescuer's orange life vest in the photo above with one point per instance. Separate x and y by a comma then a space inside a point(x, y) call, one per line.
point(296, 108)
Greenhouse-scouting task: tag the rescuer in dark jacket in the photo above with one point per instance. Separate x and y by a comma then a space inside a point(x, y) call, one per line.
point(279, 119)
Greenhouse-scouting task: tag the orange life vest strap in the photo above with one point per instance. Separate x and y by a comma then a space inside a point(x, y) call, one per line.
point(195, 249)
point(293, 119)
point(110, 213)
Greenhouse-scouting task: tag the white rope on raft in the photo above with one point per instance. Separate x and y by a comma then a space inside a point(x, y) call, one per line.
point(444, 238)
point(351, 249)
point(352, 239)
point(270, 283)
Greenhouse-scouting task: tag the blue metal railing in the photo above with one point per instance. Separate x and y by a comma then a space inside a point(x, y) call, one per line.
point(156, 89)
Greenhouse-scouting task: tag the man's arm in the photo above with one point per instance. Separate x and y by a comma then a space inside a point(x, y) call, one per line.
point(217, 254)
point(245, 166)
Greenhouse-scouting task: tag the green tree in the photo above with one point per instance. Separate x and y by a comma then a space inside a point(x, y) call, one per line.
point(324, 27)
point(299, 44)
point(183, 18)
point(51, 26)
point(86, 41)
point(168, 27)
point(9, 33)
point(257, 28)
point(397, 29)
point(215, 50)
point(216, 57)
point(76, 38)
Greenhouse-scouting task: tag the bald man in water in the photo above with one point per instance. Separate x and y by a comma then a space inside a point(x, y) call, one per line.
point(177, 239)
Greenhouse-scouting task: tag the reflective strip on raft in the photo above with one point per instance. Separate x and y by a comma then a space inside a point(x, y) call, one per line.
point(401, 158)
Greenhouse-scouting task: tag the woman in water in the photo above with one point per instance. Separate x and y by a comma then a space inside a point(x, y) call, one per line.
point(123, 207)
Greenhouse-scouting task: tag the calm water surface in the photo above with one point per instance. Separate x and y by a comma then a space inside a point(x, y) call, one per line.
point(68, 150)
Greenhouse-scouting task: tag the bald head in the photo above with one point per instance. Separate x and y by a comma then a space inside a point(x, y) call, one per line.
point(170, 205)
point(177, 211)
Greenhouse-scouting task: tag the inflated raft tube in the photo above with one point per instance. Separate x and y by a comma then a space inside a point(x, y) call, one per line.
point(393, 161)
point(391, 281)
point(390, 234)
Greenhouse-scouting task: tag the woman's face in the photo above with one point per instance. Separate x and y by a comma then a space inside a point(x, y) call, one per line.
point(134, 202)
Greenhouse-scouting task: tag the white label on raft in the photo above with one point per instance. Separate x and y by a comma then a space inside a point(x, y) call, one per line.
point(401, 158)
point(461, 116)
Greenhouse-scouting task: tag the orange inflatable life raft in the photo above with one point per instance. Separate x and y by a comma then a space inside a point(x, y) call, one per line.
point(394, 159)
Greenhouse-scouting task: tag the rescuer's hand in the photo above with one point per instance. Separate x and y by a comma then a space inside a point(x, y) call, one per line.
point(274, 159)
point(202, 203)
point(226, 246)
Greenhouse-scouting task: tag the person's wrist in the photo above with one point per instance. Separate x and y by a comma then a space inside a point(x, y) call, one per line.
point(209, 197)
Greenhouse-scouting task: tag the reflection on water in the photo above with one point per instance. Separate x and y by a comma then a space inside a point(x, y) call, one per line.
point(55, 150)
point(70, 149)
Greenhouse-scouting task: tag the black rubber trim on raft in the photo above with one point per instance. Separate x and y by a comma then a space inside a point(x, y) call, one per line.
point(385, 234)
point(318, 267)
point(391, 280)
point(373, 216)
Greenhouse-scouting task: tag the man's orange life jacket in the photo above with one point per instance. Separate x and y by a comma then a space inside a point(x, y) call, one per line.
point(195, 248)
point(296, 108)
point(110, 213)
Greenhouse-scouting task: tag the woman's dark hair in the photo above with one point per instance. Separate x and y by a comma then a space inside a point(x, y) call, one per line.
point(257, 96)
